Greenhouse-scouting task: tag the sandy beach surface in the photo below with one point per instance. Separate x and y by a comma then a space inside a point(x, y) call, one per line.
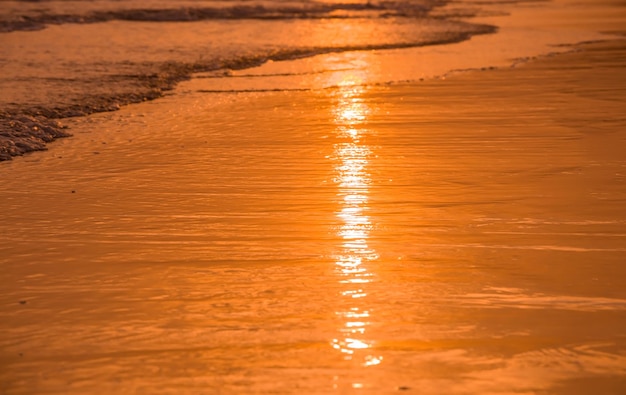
point(319, 226)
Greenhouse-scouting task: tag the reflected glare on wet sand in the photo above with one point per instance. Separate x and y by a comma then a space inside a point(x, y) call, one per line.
point(355, 258)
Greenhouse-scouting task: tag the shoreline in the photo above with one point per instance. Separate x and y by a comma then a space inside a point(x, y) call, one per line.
point(28, 128)
point(31, 130)
point(30, 119)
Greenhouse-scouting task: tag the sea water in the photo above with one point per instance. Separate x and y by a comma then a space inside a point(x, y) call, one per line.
point(305, 226)
point(97, 53)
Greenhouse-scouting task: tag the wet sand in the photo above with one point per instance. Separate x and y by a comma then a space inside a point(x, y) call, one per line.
point(459, 235)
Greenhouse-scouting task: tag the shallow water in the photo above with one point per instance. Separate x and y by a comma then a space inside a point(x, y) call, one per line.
point(350, 237)
point(71, 58)
point(83, 58)
point(356, 239)
point(63, 59)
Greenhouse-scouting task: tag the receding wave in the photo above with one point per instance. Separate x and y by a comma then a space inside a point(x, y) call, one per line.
point(90, 75)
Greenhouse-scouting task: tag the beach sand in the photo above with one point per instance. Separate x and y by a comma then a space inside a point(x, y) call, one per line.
point(458, 235)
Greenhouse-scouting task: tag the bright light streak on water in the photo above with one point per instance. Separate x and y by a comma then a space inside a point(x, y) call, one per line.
point(352, 158)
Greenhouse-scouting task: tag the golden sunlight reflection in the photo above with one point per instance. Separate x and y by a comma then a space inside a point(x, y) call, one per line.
point(353, 181)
